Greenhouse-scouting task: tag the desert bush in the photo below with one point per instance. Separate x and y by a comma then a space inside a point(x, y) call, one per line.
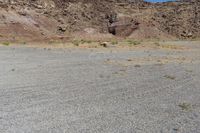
point(76, 42)
point(133, 42)
point(157, 43)
point(6, 43)
point(185, 106)
point(114, 42)
point(82, 41)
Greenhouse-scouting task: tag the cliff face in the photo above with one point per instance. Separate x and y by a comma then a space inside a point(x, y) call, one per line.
point(136, 18)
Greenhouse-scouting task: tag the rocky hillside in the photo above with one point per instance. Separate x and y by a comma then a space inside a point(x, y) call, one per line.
point(55, 19)
point(180, 19)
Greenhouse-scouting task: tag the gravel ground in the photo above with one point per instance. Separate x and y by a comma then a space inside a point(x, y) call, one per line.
point(99, 91)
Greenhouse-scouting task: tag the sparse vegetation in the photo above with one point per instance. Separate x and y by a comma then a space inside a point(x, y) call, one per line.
point(170, 77)
point(114, 42)
point(6, 43)
point(185, 106)
point(171, 47)
point(82, 41)
point(24, 43)
point(52, 42)
point(157, 44)
point(76, 42)
point(133, 42)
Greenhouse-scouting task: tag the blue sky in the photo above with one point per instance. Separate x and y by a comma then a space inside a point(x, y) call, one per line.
point(158, 0)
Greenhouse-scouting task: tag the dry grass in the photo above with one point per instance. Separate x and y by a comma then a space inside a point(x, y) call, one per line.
point(168, 46)
point(133, 42)
point(185, 106)
point(170, 77)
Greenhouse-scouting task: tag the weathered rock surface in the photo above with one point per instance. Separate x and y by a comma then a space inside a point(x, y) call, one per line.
point(119, 17)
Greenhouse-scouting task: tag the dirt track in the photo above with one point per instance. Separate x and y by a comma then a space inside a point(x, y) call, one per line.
point(108, 91)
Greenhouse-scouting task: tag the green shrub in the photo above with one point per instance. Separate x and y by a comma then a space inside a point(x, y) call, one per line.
point(185, 106)
point(114, 42)
point(6, 43)
point(133, 42)
point(76, 42)
point(85, 41)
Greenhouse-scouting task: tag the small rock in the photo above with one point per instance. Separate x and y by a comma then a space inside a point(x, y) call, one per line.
point(22, 12)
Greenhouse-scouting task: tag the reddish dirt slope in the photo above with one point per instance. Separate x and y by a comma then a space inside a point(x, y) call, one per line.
point(27, 20)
